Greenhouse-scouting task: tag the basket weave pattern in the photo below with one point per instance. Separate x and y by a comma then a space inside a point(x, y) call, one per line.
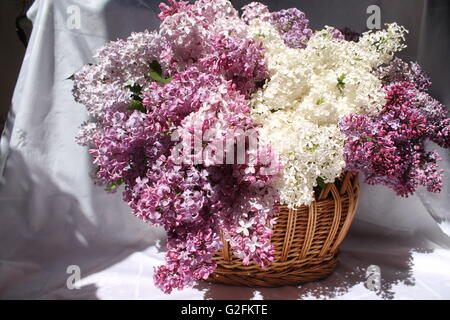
point(306, 241)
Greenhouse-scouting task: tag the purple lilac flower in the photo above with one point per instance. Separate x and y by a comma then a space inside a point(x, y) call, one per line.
point(337, 34)
point(292, 26)
point(389, 148)
point(438, 126)
point(438, 122)
point(349, 34)
point(399, 70)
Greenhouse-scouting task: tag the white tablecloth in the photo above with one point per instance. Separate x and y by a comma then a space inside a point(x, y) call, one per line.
point(52, 216)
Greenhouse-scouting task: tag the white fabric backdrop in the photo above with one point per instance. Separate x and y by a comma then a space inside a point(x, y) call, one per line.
point(51, 215)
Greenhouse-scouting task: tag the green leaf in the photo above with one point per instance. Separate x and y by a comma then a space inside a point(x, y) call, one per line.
point(155, 66)
point(72, 77)
point(342, 77)
point(313, 148)
point(156, 73)
point(136, 102)
point(137, 105)
point(320, 101)
point(321, 183)
point(340, 82)
point(155, 76)
point(115, 185)
point(134, 87)
point(136, 97)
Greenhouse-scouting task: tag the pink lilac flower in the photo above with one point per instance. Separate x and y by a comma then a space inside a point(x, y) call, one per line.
point(240, 60)
point(135, 121)
point(255, 10)
point(188, 30)
point(172, 8)
point(193, 202)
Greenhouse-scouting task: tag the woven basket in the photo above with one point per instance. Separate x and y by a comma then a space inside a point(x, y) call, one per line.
point(306, 241)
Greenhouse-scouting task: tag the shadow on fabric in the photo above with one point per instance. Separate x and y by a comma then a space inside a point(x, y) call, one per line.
point(57, 235)
point(362, 248)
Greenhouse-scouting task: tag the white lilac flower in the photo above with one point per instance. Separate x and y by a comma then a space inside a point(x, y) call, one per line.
point(308, 92)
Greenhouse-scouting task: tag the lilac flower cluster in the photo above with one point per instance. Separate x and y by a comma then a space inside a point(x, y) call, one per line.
point(194, 203)
point(173, 8)
point(240, 60)
point(399, 70)
point(155, 92)
point(255, 10)
point(389, 148)
point(292, 26)
point(438, 123)
point(187, 29)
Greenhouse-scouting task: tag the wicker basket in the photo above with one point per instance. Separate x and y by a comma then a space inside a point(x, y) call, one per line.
point(306, 241)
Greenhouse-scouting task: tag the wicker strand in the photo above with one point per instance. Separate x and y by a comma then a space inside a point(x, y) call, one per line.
point(312, 216)
point(226, 250)
point(335, 224)
point(351, 212)
point(290, 231)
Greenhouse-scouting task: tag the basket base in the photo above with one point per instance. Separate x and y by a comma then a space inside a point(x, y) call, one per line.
point(258, 277)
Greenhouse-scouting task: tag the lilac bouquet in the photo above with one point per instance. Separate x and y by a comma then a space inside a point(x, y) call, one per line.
point(211, 121)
